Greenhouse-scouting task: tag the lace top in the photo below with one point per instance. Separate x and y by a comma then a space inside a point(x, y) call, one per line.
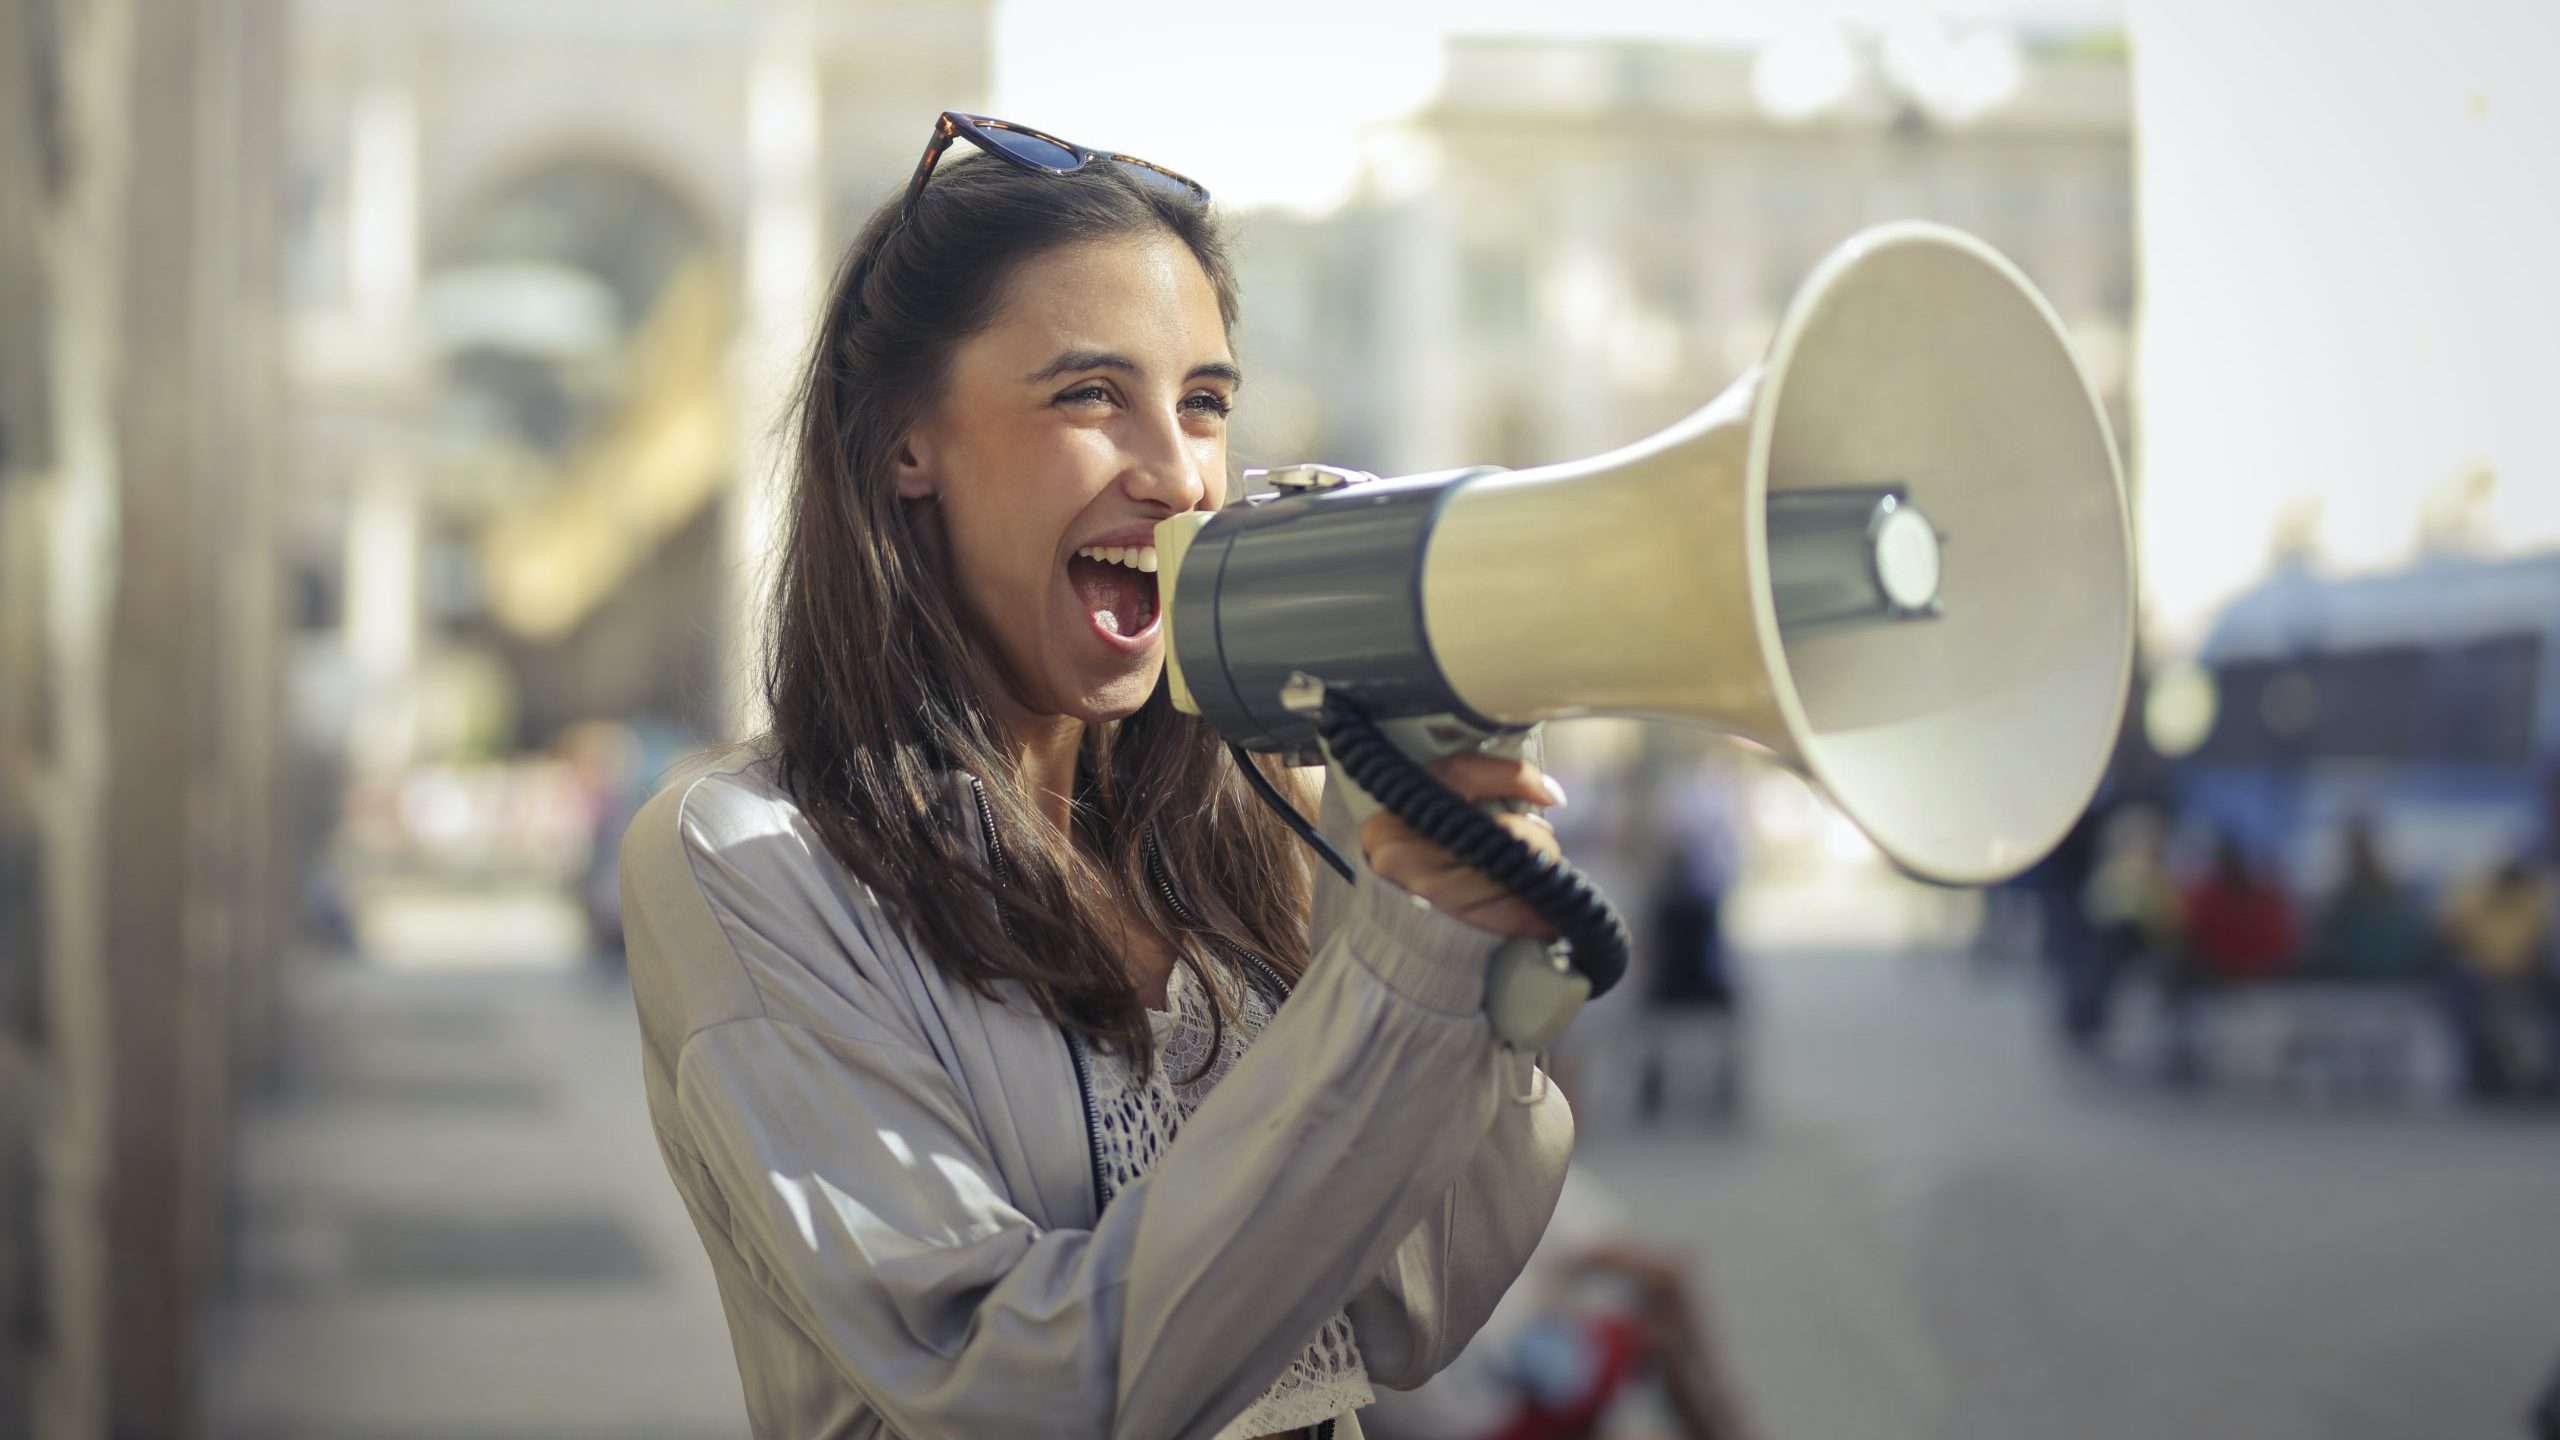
point(1139, 1116)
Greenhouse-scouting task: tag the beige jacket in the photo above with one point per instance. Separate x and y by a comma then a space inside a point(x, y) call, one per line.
point(893, 1176)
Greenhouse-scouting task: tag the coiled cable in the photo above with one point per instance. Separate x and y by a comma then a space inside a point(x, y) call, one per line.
point(1594, 932)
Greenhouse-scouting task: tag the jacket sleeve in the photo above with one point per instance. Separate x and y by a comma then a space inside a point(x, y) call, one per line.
point(1440, 1284)
point(854, 1180)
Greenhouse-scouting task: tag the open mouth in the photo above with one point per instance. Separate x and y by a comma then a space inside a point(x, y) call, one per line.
point(1118, 587)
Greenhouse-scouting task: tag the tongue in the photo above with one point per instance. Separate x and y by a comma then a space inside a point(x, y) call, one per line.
point(1121, 599)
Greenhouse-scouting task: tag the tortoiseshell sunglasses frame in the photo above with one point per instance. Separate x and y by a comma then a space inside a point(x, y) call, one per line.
point(960, 125)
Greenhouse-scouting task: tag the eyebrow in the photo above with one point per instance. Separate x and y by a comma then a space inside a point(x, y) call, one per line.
point(1073, 360)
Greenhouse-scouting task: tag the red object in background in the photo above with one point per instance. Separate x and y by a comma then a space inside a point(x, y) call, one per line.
point(1619, 1348)
point(2239, 930)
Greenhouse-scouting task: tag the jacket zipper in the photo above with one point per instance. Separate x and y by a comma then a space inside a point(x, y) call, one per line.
point(1274, 984)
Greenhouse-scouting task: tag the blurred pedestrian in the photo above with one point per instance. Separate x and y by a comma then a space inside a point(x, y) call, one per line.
point(2499, 929)
point(2372, 927)
point(1692, 995)
point(1676, 1338)
point(1596, 1313)
point(2238, 929)
point(2133, 912)
point(2239, 921)
point(2060, 880)
point(1691, 1004)
point(2037, 911)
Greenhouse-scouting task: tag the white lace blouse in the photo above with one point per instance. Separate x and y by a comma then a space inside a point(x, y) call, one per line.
point(1139, 1116)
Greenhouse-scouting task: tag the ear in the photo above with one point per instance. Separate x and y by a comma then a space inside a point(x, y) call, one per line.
point(917, 476)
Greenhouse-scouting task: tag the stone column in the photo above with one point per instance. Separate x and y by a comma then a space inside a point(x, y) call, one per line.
point(59, 512)
point(783, 272)
point(160, 892)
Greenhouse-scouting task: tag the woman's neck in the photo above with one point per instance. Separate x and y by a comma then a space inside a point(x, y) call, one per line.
point(1045, 748)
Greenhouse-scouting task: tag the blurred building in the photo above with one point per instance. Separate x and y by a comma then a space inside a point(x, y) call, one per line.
point(140, 837)
point(380, 384)
point(550, 268)
point(1580, 241)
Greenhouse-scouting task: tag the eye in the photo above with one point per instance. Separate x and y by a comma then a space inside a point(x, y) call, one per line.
point(1207, 402)
point(1086, 395)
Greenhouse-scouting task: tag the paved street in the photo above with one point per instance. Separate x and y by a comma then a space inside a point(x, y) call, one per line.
point(1930, 1226)
point(457, 1227)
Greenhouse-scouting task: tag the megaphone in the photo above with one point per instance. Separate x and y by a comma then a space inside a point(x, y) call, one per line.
point(1895, 554)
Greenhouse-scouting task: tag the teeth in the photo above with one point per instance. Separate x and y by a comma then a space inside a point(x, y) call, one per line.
point(1136, 557)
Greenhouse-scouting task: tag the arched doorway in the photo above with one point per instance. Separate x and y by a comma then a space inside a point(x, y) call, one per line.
point(579, 314)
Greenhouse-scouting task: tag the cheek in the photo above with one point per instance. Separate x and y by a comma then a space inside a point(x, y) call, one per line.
point(1006, 537)
point(1212, 460)
point(1002, 564)
point(1018, 495)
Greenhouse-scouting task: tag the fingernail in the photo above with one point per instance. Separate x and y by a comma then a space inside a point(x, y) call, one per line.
point(1555, 792)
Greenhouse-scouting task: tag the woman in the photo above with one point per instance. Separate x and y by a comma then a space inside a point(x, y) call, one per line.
point(961, 993)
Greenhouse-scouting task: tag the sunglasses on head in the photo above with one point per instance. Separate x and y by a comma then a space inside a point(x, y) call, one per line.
point(1029, 149)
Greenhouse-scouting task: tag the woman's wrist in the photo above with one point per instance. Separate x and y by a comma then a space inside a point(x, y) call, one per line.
point(1429, 958)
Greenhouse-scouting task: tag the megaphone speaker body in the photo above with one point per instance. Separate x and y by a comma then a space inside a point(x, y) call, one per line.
point(1916, 365)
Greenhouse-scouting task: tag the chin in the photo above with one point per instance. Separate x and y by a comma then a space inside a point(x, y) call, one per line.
point(1118, 702)
point(1122, 696)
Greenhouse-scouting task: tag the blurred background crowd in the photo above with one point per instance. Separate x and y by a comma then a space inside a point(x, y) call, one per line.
point(387, 444)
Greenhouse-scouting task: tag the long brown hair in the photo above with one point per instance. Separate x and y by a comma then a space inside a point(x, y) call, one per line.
point(876, 678)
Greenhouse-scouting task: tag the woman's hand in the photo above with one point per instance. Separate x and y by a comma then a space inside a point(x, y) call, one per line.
point(1399, 854)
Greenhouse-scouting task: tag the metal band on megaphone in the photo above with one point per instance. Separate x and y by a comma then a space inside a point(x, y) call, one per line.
point(1331, 581)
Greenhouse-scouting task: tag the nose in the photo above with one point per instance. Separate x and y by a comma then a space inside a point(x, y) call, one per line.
point(1165, 466)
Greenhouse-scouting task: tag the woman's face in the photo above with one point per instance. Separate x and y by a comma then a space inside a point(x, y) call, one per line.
point(1094, 406)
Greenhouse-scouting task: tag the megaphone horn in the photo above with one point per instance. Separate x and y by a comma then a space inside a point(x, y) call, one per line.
point(1777, 566)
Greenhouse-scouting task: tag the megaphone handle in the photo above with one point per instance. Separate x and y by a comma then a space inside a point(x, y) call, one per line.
point(1530, 993)
point(1531, 990)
